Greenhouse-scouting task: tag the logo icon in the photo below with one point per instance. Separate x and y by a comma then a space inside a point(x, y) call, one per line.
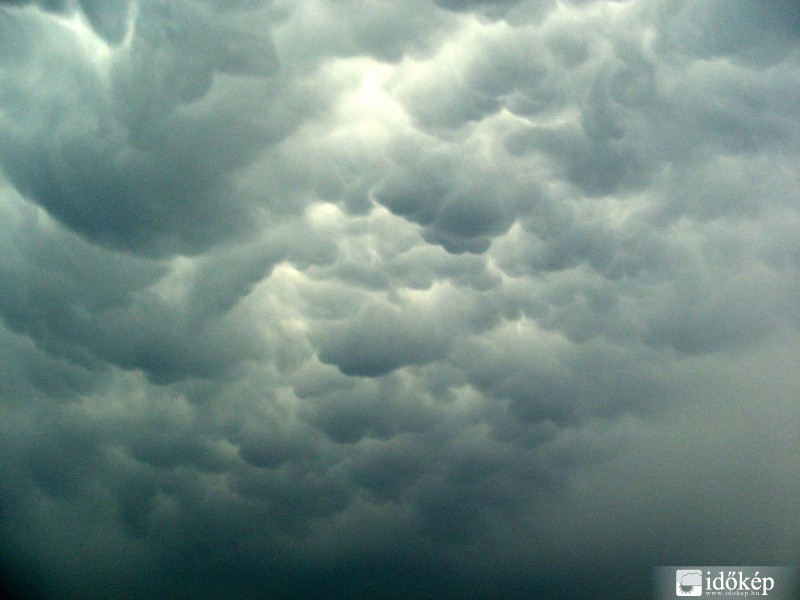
point(689, 583)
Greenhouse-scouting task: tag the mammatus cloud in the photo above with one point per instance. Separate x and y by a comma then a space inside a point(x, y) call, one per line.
point(112, 119)
point(433, 299)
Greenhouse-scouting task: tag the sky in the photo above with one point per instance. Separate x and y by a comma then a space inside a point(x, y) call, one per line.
point(433, 299)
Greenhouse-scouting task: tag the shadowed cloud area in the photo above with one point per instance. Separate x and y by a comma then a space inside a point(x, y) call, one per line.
point(432, 299)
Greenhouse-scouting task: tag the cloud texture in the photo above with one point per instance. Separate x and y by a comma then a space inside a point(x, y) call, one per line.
point(338, 299)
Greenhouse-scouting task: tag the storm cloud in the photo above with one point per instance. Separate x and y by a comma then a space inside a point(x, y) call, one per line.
point(338, 299)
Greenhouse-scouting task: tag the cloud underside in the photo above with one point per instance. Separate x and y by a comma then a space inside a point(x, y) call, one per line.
point(365, 299)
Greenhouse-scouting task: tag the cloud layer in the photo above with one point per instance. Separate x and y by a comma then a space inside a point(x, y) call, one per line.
point(365, 299)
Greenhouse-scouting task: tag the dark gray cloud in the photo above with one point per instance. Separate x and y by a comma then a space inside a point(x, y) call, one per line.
point(316, 299)
point(104, 122)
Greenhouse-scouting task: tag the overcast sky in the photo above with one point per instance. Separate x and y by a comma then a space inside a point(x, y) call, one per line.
point(396, 299)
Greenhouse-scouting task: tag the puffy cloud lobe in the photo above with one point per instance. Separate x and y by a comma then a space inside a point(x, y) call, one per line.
point(386, 31)
point(92, 131)
point(379, 340)
point(460, 204)
point(172, 320)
